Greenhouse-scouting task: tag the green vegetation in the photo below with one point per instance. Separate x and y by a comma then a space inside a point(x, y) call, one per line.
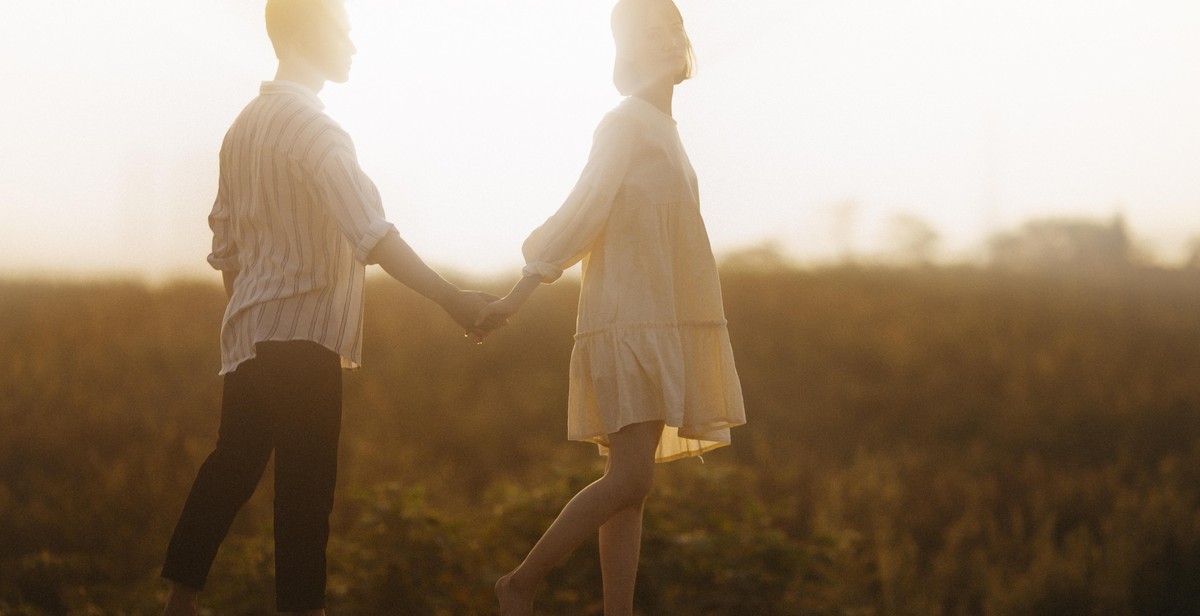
point(921, 442)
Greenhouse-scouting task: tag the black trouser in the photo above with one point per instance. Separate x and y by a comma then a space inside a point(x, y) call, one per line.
point(287, 399)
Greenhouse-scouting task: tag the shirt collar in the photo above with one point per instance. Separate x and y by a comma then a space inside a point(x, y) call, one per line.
point(291, 87)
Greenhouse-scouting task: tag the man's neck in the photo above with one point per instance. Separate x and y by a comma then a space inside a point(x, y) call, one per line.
point(301, 74)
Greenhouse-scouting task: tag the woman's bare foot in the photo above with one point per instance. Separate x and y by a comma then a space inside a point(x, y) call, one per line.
point(515, 600)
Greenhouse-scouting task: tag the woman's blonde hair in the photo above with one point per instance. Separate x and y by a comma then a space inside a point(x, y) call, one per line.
point(627, 15)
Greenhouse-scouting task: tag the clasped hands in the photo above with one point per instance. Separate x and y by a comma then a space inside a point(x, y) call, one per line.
point(479, 313)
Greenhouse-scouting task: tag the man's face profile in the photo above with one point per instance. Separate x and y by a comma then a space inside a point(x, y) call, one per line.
point(314, 34)
point(328, 46)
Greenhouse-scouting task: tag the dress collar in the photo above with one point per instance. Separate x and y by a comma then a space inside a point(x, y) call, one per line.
point(647, 109)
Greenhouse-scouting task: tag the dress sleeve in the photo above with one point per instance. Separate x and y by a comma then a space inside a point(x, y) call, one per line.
point(224, 255)
point(349, 196)
point(568, 235)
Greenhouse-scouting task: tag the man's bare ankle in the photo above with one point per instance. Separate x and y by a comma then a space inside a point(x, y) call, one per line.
point(181, 600)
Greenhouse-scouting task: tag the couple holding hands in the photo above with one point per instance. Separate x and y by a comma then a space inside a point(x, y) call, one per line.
point(296, 221)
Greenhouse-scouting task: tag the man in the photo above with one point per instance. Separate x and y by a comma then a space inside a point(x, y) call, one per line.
point(294, 223)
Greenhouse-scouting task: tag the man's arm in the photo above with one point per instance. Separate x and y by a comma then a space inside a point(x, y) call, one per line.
point(350, 197)
point(401, 262)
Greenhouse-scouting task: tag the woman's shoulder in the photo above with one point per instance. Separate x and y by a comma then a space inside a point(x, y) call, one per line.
point(620, 123)
point(638, 119)
point(631, 110)
point(615, 126)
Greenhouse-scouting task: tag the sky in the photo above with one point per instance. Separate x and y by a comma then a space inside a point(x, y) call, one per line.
point(813, 125)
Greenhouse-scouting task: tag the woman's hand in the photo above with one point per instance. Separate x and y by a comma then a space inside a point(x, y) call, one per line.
point(498, 312)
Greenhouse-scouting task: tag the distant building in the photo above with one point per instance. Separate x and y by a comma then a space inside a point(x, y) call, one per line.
point(1066, 244)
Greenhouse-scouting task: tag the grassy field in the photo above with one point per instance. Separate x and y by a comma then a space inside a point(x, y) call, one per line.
point(921, 442)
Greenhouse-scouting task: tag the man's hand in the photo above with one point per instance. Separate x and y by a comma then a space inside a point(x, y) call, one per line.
point(465, 306)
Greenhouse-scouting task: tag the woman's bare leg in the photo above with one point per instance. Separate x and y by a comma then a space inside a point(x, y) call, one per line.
point(625, 485)
point(620, 549)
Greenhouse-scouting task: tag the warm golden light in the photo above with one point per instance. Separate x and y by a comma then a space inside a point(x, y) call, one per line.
point(474, 120)
point(939, 356)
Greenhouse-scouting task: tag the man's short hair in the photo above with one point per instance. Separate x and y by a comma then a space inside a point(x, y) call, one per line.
point(287, 19)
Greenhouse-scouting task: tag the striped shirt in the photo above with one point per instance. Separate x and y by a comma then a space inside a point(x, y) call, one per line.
point(297, 218)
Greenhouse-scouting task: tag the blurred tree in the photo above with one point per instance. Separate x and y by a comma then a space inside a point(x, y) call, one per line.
point(767, 256)
point(1066, 244)
point(911, 240)
point(1193, 257)
point(845, 216)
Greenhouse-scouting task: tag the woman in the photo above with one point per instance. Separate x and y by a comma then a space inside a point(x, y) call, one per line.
point(652, 376)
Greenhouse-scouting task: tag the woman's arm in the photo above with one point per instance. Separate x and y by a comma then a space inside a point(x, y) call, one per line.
point(228, 277)
point(567, 236)
point(500, 310)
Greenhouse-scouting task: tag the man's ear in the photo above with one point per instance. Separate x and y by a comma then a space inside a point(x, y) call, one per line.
point(286, 49)
point(301, 48)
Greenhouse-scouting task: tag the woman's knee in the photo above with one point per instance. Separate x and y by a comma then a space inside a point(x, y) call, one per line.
point(641, 488)
point(633, 486)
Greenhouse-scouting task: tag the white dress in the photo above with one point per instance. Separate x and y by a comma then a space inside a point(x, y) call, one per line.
point(650, 342)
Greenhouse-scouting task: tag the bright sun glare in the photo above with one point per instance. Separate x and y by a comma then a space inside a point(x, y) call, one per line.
point(475, 118)
point(475, 128)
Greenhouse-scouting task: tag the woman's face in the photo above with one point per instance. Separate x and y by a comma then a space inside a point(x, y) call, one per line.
point(659, 50)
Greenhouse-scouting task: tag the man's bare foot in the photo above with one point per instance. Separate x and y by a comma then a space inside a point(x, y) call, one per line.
point(181, 601)
point(514, 599)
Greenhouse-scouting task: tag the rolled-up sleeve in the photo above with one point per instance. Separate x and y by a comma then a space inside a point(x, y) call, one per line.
point(351, 198)
point(567, 236)
point(224, 255)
